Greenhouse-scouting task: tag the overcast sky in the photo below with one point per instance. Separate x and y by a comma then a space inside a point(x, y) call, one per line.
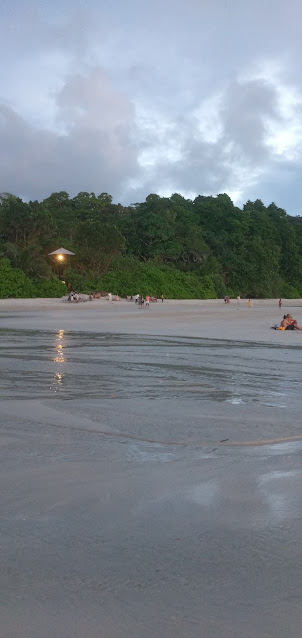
point(138, 96)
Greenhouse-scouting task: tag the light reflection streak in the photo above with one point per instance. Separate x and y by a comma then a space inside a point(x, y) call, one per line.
point(59, 359)
point(58, 377)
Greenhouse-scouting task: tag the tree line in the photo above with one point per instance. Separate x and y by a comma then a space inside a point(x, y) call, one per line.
point(181, 248)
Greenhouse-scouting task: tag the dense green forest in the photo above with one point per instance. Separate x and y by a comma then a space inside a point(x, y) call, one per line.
point(169, 246)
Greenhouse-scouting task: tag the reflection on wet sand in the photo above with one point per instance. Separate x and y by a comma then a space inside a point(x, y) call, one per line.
point(59, 358)
point(143, 489)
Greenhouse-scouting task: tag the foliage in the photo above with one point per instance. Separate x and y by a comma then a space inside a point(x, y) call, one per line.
point(97, 244)
point(174, 246)
point(28, 258)
point(130, 277)
point(49, 288)
point(14, 283)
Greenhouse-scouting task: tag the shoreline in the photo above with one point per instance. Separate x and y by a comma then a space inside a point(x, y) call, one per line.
point(208, 319)
point(43, 301)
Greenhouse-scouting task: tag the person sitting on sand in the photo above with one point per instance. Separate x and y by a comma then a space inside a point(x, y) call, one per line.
point(288, 323)
point(284, 323)
point(293, 322)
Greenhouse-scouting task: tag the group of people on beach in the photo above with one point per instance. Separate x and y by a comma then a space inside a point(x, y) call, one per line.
point(111, 298)
point(238, 299)
point(74, 296)
point(142, 301)
point(288, 323)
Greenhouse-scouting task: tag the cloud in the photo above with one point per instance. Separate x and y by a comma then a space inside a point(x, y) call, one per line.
point(161, 95)
point(94, 151)
point(232, 141)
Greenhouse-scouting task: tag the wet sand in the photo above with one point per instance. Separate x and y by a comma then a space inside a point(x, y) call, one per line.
point(150, 470)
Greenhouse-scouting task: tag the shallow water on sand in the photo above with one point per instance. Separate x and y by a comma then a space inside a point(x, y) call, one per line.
point(127, 506)
point(92, 365)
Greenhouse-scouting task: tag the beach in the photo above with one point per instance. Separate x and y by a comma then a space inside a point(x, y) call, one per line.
point(150, 469)
point(196, 318)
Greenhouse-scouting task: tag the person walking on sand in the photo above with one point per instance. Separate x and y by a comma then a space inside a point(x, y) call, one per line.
point(250, 304)
point(280, 303)
point(162, 298)
point(147, 301)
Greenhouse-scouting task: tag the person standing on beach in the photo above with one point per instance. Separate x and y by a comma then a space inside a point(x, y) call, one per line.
point(147, 301)
point(162, 298)
point(280, 303)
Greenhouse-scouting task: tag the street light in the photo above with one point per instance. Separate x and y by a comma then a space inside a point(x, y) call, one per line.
point(60, 253)
point(59, 256)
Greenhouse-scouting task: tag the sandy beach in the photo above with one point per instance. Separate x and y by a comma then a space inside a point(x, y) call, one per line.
point(150, 470)
point(207, 319)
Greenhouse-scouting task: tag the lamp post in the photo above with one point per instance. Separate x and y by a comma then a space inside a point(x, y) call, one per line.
point(59, 256)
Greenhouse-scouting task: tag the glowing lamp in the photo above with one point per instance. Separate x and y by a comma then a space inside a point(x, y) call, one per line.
point(60, 254)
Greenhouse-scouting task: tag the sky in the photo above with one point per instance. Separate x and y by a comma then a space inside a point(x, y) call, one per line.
point(132, 97)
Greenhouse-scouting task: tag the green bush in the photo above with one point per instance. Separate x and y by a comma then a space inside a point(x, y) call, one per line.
point(14, 283)
point(49, 288)
point(219, 285)
point(290, 292)
point(81, 282)
point(130, 276)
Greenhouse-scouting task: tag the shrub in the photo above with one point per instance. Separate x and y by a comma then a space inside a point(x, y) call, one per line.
point(130, 276)
point(14, 283)
point(49, 288)
point(219, 285)
point(290, 292)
